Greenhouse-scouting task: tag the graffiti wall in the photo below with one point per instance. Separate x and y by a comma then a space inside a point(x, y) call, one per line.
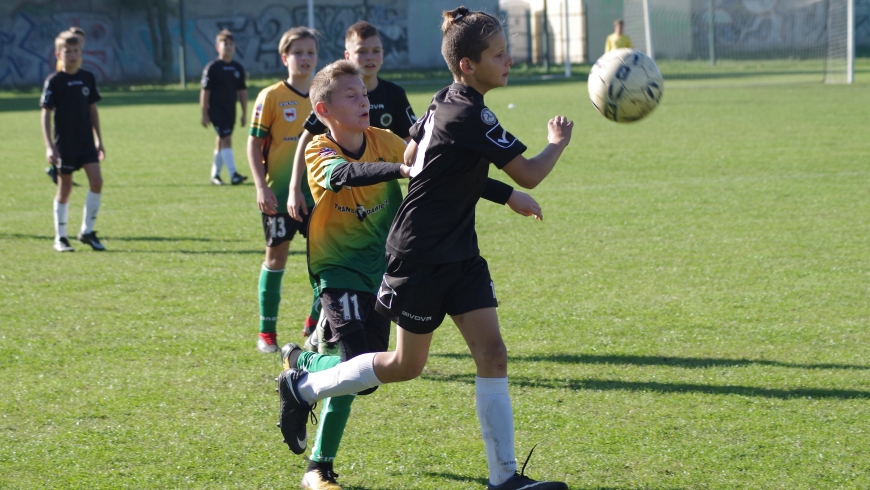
point(122, 40)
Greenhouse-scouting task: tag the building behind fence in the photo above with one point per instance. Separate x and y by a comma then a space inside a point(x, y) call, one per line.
point(140, 40)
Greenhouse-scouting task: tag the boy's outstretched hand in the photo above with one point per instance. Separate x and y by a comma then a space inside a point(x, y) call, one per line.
point(525, 205)
point(559, 131)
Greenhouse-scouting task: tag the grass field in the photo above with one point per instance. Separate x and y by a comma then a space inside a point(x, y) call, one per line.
point(691, 314)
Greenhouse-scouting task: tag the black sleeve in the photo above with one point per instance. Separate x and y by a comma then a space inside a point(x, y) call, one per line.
point(241, 84)
point(402, 123)
point(206, 76)
point(358, 175)
point(313, 125)
point(497, 191)
point(94, 94)
point(48, 96)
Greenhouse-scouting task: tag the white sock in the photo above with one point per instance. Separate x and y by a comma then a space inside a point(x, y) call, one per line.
point(89, 216)
point(229, 160)
point(496, 419)
point(217, 164)
point(351, 376)
point(61, 214)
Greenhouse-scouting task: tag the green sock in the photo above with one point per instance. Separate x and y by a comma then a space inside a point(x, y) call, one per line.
point(333, 419)
point(270, 298)
point(313, 362)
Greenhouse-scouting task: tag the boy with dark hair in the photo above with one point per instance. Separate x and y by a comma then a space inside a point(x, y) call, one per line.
point(433, 262)
point(71, 97)
point(389, 109)
point(357, 198)
point(223, 83)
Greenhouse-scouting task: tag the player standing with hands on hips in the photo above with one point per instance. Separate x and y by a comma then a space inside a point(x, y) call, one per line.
point(434, 267)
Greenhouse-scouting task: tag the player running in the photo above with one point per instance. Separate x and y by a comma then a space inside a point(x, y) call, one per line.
point(389, 109)
point(434, 267)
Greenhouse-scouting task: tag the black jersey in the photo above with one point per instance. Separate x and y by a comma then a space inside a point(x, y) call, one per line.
point(457, 138)
point(389, 109)
point(223, 81)
point(70, 97)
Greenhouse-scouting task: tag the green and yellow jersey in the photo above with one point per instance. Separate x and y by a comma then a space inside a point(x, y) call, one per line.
point(348, 227)
point(279, 117)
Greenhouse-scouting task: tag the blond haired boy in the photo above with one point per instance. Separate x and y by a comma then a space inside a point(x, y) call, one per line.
point(69, 99)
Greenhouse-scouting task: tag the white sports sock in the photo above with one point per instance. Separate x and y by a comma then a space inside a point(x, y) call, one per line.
point(496, 419)
point(61, 214)
point(217, 164)
point(89, 215)
point(229, 160)
point(351, 376)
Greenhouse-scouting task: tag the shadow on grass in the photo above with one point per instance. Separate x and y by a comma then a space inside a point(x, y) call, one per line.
point(656, 387)
point(683, 362)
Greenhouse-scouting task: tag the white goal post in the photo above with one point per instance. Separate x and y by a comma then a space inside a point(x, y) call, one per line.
point(806, 39)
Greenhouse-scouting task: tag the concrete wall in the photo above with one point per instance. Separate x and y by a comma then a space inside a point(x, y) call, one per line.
point(119, 45)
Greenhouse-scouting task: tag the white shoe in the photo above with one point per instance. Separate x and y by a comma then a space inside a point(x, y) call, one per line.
point(62, 245)
point(267, 344)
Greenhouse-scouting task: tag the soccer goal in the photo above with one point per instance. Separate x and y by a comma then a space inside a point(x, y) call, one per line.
point(745, 41)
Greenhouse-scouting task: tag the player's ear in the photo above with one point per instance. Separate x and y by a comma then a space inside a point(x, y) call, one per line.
point(321, 109)
point(284, 58)
point(466, 66)
point(346, 54)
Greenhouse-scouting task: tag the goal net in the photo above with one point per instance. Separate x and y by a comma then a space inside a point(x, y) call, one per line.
point(745, 41)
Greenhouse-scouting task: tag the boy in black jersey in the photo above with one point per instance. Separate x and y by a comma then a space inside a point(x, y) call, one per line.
point(223, 82)
point(389, 109)
point(71, 97)
point(434, 267)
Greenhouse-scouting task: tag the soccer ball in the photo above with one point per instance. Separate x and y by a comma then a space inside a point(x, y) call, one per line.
point(625, 85)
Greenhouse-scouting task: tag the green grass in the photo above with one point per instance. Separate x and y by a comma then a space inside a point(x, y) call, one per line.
point(691, 314)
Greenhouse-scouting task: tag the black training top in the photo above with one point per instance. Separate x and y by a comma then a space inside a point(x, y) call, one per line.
point(457, 138)
point(223, 80)
point(70, 97)
point(389, 109)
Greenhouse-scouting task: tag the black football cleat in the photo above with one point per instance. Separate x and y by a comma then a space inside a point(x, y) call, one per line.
point(238, 178)
point(92, 240)
point(294, 411)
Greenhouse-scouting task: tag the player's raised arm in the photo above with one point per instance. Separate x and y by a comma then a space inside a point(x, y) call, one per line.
point(529, 172)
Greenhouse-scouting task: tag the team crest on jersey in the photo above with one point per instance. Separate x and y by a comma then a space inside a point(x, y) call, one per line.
point(326, 152)
point(289, 114)
point(237, 74)
point(488, 117)
point(86, 91)
point(258, 110)
point(386, 119)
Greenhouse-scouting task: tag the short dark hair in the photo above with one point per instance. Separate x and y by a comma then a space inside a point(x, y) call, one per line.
point(464, 35)
point(362, 30)
point(224, 35)
point(65, 38)
point(326, 79)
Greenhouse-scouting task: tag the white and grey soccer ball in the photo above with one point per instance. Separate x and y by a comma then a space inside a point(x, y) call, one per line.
point(625, 85)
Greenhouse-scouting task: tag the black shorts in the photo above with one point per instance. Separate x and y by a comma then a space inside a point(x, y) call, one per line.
point(418, 296)
point(68, 165)
point(280, 228)
point(223, 122)
point(348, 311)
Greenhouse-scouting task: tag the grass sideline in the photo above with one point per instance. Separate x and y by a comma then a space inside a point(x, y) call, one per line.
point(692, 312)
